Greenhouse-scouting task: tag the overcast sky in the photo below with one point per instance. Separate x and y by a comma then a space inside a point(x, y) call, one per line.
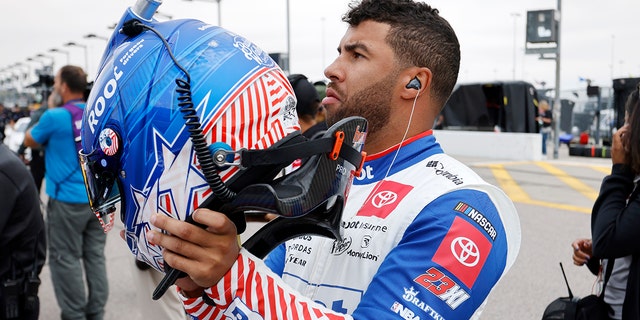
point(597, 37)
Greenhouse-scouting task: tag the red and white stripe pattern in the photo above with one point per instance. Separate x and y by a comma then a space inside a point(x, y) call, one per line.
point(252, 284)
point(108, 141)
point(254, 116)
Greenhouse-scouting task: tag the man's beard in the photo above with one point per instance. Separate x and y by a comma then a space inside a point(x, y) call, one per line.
point(372, 103)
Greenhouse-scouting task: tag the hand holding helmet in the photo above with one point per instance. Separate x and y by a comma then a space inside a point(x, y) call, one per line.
point(197, 251)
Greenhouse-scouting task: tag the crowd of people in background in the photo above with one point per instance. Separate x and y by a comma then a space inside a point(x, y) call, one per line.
point(66, 217)
point(8, 116)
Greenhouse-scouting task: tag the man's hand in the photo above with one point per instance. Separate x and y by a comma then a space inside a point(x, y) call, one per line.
point(204, 254)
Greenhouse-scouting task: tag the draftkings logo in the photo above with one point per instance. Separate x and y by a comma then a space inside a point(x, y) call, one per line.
point(411, 295)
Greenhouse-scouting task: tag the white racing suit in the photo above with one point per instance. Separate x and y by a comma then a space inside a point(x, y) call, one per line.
point(428, 241)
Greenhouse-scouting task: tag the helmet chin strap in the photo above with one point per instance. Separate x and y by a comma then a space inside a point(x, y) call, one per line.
point(331, 159)
point(313, 195)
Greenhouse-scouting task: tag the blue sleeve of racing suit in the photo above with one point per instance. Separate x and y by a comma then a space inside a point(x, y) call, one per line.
point(275, 259)
point(445, 264)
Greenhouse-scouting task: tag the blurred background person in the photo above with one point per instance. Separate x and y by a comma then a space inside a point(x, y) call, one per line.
point(544, 120)
point(76, 238)
point(307, 106)
point(321, 88)
point(5, 117)
point(36, 162)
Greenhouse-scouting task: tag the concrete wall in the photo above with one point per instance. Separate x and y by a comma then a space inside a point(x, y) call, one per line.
point(491, 145)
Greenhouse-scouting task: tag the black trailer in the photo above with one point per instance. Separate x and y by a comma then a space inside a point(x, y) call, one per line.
point(506, 106)
point(622, 88)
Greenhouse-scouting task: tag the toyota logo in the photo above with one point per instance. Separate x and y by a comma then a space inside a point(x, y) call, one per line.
point(384, 198)
point(465, 251)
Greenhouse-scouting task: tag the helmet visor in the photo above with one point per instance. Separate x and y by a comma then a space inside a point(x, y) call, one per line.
point(100, 173)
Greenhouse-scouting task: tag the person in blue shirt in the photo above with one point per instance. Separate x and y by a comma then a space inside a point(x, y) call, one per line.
point(76, 239)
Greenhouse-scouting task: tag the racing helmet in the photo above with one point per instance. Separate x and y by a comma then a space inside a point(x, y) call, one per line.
point(182, 115)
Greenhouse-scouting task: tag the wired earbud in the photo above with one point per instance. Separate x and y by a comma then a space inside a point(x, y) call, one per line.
point(414, 84)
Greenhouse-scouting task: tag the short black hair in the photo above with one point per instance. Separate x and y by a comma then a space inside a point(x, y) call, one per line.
point(419, 36)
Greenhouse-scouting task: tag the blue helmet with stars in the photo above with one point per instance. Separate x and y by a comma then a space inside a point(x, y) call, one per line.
point(176, 120)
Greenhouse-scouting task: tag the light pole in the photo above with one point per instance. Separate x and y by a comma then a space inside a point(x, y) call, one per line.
point(60, 51)
point(86, 59)
point(613, 42)
point(219, 14)
point(25, 74)
point(7, 79)
point(95, 36)
point(10, 78)
point(35, 60)
point(515, 16)
point(40, 55)
point(16, 75)
point(558, 102)
point(3, 80)
point(38, 71)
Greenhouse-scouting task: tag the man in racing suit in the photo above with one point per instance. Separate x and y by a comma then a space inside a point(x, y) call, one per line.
point(423, 236)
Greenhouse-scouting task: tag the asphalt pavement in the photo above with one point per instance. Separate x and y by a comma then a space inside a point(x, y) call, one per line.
point(553, 198)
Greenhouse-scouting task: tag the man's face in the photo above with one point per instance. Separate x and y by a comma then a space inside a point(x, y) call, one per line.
point(362, 76)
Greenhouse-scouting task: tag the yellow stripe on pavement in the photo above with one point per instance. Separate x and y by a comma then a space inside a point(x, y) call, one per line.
point(517, 194)
point(562, 206)
point(508, 184)
point(605, 170)
point(574, 183)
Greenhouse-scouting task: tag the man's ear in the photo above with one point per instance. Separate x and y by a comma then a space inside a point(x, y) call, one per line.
point(417, 80)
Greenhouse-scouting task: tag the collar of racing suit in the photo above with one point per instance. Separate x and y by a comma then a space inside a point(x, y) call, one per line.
point(412, 150)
